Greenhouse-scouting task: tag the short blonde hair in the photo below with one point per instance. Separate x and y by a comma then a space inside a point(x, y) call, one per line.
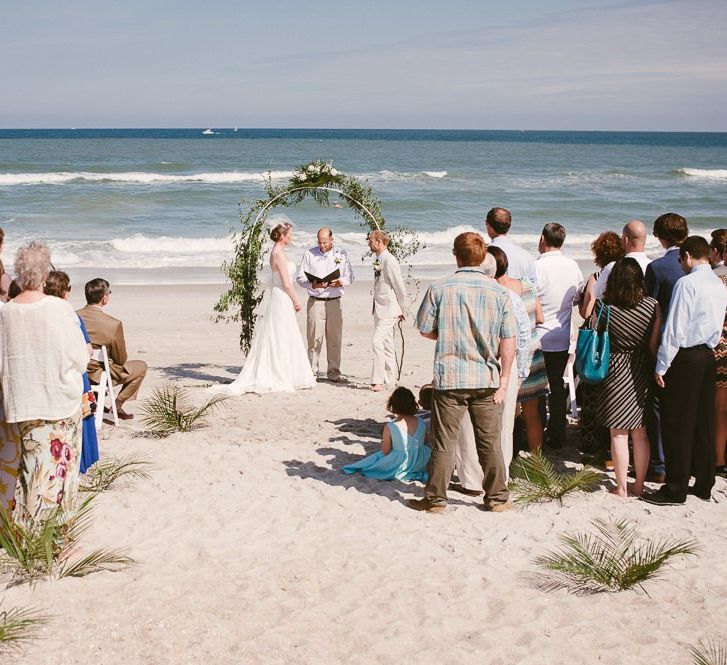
point(379, 235)
point(32, 265)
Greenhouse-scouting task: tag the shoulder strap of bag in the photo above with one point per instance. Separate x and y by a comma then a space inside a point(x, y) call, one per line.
point(608, 315)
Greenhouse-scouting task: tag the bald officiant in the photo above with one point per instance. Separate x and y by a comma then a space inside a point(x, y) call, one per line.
point(324, 273)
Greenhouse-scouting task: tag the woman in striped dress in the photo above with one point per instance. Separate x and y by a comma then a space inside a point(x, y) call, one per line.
point(626, 393)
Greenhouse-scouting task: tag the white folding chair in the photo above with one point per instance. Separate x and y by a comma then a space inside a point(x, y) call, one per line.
point(104, 388)
point(572, 384)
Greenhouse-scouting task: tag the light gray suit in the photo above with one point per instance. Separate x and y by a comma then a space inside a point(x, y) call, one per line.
point(389, 304)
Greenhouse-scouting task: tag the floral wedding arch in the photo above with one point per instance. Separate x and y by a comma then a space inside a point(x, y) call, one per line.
point(316, 180)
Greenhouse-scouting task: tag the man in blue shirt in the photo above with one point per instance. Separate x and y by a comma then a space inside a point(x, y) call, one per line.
point(685, 370)
point(661, 275)
point(470, 317)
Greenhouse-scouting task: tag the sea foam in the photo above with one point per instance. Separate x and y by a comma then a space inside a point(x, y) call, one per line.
point(710, 174)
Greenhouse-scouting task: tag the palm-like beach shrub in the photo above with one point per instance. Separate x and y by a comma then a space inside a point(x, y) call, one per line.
point(18, 626)
point(114, 473)
point(43, 548)
point(711, 652)
point(169, 410)
point(610, 559)
point(536, 480)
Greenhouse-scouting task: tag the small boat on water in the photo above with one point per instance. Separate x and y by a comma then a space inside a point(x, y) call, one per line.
point(208, 132)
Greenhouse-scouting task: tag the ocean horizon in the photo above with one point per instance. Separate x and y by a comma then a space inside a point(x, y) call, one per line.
point(151, 206)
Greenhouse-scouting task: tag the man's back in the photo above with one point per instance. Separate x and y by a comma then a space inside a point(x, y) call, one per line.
point(661, 276)
point(470, 313)
point(558, 279)
point(520, 264)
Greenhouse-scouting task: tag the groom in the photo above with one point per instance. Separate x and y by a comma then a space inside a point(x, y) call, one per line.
point(324, 314)
point(388, 309)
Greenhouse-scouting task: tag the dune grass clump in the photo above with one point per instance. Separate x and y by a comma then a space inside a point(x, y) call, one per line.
point(34, 549)
point(611, 559)
point(536, 480)
point(114, 473)
point(169, 410)
point(18, 626)
point(711, 652)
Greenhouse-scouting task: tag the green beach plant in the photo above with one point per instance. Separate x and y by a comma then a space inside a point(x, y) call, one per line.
point(711, 652)
point(170, 410)
point(612, 558)
point(316, 180)
point(33, 549)
point(536, 480)
point(114, 473)
point(18, 626)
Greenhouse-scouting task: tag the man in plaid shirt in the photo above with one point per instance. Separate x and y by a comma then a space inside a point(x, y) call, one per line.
point(470, 318)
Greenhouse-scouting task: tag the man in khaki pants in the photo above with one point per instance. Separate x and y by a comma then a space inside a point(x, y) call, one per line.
point(324, 314)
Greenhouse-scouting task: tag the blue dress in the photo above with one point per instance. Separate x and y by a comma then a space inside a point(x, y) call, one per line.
point(407, 459)
point(89, 447)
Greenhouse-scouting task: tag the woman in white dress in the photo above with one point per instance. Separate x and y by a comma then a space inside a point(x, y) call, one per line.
point(277, 361)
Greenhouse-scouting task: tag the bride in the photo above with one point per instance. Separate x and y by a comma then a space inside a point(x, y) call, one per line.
point(277, 361)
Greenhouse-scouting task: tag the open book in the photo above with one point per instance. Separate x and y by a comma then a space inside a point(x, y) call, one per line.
point(336, 274)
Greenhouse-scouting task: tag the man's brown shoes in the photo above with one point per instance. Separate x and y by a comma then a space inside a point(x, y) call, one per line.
point(425, 505)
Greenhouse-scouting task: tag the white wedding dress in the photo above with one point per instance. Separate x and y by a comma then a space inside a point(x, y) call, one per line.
point(277, 361)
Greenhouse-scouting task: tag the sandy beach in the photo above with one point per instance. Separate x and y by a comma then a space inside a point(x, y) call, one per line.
point(253, 546)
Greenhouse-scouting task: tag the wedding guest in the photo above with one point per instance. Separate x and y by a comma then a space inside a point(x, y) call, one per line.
point(58, 284)
point(534, 384)
point(105, 330)
point(403, 455)
point(324, 313)
point(520, 264)
point(41, 345)
point(717, 250)
point(719, 244)
point(685, 370)
point(595, 439)
point(388, 309)
point(659, 279)
point(469, 317)
point(9, 457)
point(633, 240)
point(624, 396)
point(559, 281)
point(5, 279)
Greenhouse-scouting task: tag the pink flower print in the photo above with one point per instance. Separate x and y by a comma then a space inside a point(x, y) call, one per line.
point(56, 447)
point(61, 470)
point(67, 452)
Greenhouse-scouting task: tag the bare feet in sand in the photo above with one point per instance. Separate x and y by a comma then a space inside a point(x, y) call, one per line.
point(378, 387)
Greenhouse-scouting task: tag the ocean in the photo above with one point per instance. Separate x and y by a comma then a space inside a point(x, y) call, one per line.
point(157, 206)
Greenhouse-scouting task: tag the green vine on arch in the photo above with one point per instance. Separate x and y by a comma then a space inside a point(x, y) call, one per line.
point(316, 180)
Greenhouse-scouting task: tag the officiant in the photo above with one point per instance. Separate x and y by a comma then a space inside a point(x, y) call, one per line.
point(324, 272)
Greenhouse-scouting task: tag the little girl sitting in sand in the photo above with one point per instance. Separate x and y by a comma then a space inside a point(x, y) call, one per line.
point(403, 455)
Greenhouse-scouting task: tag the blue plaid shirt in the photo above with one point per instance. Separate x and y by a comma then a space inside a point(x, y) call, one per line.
point(470, 314)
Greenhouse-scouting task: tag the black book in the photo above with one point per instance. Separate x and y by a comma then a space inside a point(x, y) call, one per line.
point(336, 274)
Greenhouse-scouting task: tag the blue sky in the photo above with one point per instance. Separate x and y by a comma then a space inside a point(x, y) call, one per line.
point(558, 64)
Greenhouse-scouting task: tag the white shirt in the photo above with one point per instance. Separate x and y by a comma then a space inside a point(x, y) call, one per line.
point(696, 315)
point(520, 265)
point(559, 280)
point(321, 264)
point(641, 258)
point(42, 358)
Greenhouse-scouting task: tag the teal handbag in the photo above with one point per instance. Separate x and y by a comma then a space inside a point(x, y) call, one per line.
point(593, 350)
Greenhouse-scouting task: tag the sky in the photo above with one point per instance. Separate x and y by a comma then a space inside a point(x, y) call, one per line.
point(470, 64)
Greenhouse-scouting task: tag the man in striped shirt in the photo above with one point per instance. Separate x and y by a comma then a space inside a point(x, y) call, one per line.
point(470, 318)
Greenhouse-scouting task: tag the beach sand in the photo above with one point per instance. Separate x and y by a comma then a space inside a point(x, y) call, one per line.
point(253, 547)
